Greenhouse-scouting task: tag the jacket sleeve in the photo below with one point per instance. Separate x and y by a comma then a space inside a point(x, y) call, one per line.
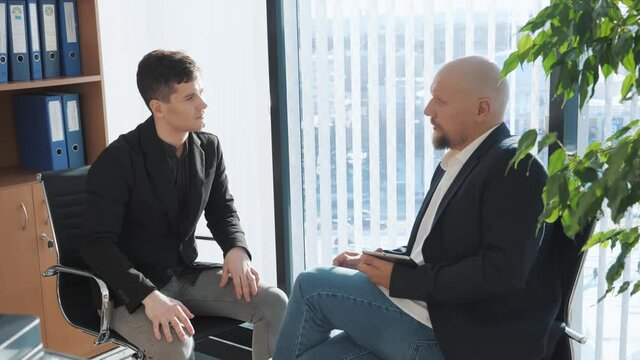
point(220, 212)
point(508, 243)
point(108, 191)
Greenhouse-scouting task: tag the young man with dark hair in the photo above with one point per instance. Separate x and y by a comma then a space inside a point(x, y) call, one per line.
point(146, 192)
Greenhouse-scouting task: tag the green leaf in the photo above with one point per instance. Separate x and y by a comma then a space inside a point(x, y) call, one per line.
point(600, 237)
point(629, 62)
point(622, 131)
point(627, 85)
point(607, 292)
point(623, 287)
point(563, 191)
point(549, 62)
point(510, 64)
point(636, 288)
point(605, 28)
point(615, 270)
point(541, 38)
point(525, 144)
point(538, 21)
point(622, 44)
point(550, 214)
point(616, 194)
point(594, 146)
point(584, 23)
point(524, 43)
point(584, 208)
point(619, 153)
point(557, 160)
point(606, 70)
point(547, 140)
point(586, 174)
point(583, 88)
point(596, 77)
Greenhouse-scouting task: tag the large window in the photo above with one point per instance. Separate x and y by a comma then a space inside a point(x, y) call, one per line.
point(607, 323)
point(363, 155)
point(365, 68)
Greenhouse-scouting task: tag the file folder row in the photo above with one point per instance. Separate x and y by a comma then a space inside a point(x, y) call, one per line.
point(38, 39)
point(49, 131)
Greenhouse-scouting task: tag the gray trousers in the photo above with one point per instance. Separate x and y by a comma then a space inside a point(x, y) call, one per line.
point(205, 297)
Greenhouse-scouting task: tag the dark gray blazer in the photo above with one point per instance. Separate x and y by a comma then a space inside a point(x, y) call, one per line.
point(130, 228)
point(490, 283)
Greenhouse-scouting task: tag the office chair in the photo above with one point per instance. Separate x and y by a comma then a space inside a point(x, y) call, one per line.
point(65, 193)
point(571, 258)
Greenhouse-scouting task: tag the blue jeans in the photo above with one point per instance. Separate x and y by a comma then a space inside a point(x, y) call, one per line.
point(329, 298)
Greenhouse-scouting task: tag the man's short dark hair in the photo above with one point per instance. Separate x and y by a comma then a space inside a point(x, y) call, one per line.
point(160, 70)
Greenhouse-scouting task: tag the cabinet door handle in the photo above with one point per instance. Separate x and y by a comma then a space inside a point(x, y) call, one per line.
point(26, 216)
point(46, 212)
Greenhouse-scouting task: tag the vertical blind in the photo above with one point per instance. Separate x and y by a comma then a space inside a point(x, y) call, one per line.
point(364, 72)
point(365, 68)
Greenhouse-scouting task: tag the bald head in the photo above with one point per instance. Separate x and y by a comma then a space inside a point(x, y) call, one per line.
point(480, 78)
point(468, 99)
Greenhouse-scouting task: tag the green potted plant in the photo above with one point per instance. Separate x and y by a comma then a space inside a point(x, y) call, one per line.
point(580, 40)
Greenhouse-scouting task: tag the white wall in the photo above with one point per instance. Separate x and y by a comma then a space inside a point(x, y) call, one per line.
point(228, 39)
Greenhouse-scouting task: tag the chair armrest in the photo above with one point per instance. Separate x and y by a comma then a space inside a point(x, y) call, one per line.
point(574, 335)
point(105, 313)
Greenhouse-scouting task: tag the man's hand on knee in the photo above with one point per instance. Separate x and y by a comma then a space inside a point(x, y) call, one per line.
point(165, 312)
point(237, 266)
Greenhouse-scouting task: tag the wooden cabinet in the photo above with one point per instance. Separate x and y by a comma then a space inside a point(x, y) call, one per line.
point(23, 213)
point(19, 254)
point(24, 255)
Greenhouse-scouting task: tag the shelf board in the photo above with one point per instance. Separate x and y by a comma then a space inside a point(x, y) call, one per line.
point(34, 84)
point(12, 176)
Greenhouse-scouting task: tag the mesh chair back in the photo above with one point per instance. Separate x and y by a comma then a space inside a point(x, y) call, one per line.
point(66, 196)
point(571, 259)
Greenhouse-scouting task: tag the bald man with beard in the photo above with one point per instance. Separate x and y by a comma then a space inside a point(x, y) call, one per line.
point(483, 283)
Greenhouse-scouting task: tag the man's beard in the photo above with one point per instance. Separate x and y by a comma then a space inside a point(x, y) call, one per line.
point(440, 141)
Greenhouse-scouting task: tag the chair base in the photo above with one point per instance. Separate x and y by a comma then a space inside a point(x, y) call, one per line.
point(234, 343)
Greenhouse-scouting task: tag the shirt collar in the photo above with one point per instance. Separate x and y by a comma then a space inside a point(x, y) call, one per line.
point(172, 149)
point(457, 158)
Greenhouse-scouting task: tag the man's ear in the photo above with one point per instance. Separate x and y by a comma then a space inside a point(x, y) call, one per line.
point(484, 108)
point(156, 108)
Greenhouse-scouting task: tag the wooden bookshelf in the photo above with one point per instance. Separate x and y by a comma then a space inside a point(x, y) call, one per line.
point(23, 213)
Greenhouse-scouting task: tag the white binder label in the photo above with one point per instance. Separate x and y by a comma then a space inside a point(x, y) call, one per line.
point(33, 25)
point(73, 120)
point(55, 121)
point(18, 29)
point(3, 28)
point(70, 21)
point(49, 20)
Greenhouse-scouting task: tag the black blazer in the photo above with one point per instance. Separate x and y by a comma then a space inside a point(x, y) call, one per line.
point(130, 228)
point(490, 282)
